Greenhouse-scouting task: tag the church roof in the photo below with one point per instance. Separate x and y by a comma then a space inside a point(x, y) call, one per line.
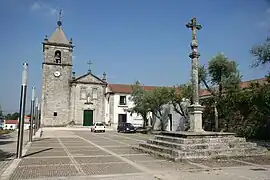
point(58, 36)
point(87, 78)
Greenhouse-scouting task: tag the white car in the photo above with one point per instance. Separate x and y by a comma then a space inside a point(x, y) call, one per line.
point(98, 127)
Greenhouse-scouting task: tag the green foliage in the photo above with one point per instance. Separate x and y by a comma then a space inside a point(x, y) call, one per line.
point(13, 116)
point(141, 107)
point(221, 73)
point(1, 113)
point(244, 112)
point(261, 53)
point(177, 97)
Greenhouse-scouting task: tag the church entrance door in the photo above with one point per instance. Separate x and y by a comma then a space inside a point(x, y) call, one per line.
point(87, 117)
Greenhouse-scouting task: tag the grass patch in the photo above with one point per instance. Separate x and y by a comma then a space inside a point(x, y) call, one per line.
point(6, 131)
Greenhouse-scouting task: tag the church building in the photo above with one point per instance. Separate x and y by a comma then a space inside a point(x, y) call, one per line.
point(67, 99)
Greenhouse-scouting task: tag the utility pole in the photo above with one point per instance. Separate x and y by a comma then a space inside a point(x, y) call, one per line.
point(22, 111)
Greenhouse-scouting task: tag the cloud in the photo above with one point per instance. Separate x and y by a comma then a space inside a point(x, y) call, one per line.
point(265, 20)
point(35, 6)
point(43, 7)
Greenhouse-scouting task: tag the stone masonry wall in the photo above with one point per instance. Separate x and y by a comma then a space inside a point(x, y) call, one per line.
point(98, 106)
point(56, 90)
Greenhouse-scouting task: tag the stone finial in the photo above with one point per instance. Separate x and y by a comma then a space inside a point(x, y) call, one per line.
point(104, 76)
point(46, 38)
point(70, 41)
point(73, 75)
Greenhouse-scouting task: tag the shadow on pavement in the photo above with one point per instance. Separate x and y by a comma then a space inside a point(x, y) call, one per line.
point(5, 136)
point(30, 154)
point(6, 155)
point(41, 139)
point(5, 142)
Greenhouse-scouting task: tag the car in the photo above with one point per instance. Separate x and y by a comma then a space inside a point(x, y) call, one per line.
point(126, 127)
point(98, 127)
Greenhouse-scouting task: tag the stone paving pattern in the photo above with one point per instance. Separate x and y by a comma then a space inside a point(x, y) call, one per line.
point(86, 155)
point(8, 144)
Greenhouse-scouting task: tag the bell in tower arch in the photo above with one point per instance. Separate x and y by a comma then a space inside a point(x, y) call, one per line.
point(57, 57)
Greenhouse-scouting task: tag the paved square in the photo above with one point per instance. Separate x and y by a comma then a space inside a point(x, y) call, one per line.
point(110, 156)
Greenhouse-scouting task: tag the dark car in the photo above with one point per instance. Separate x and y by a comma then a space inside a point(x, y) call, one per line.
point(126, 127)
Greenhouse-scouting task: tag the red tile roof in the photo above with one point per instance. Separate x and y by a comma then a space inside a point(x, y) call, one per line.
point(127, 88)
point(11, 121)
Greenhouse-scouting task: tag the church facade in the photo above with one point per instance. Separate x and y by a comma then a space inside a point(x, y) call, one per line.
point(83, 100)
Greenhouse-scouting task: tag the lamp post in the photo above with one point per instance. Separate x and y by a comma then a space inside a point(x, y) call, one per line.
point(22, 111)
point(32, 115)
point(36, 114)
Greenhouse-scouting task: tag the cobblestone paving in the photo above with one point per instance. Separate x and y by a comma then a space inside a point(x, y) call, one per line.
point(110, 156)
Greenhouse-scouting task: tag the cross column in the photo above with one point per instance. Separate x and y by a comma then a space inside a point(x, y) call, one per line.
point(195, 109)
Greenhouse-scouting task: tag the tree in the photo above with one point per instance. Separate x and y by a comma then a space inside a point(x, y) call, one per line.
point(179, 95)
point(1, 114)
point(13, 116)
point(158, 101)
point(262, 53)
point(221, 76)
point(180, 99)
point(138, 97)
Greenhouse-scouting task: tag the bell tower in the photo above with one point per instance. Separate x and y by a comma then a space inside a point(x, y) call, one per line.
point(56, 76)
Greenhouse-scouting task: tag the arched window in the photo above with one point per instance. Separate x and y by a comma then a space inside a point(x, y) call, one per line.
point(57, 57)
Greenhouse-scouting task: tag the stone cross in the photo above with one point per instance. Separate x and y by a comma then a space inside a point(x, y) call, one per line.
point(194, 55)
point(195, 110)
point(89, 64)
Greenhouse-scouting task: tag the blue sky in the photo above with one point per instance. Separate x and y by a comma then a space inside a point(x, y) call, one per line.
point(130, 40)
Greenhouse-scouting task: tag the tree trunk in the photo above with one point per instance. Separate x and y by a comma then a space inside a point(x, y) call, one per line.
point(216, 116)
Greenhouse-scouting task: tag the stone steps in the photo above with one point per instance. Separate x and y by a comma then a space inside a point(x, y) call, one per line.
point(200, 140)
point(188, 147)
point(155, 153)
point(173, 154)
point(191, 145)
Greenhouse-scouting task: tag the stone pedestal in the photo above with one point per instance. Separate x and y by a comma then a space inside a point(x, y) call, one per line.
point(195, 115)
point(197, 145)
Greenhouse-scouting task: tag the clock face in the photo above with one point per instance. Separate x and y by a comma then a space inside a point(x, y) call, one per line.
point(56, 73)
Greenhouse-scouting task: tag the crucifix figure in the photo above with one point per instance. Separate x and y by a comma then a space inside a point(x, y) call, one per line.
point(89, 64)
point(195, 110)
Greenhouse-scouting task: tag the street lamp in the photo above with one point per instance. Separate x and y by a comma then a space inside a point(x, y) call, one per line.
point(22, 111)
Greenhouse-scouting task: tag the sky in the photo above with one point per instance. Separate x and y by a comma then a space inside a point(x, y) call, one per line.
point(130, 40)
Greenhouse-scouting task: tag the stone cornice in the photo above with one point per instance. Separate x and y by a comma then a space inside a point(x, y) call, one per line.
point(82, 82)
point(57, 44)
point(55, 64)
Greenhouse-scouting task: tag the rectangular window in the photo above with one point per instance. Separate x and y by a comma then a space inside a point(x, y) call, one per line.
point(83, 93)
point(54, 113)
point(94, 93)
point(123, 100)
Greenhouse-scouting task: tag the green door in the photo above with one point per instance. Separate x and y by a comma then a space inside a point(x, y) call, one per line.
point(87, 118)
